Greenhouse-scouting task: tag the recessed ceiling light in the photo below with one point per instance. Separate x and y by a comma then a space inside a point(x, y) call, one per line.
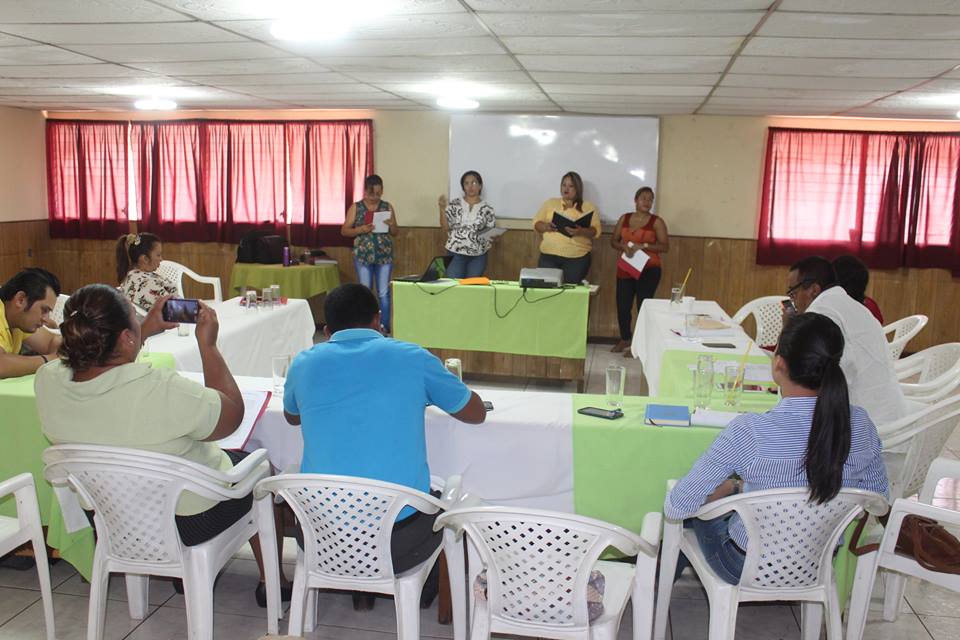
point(153, 91)
point(457, 102)
point(155, 104)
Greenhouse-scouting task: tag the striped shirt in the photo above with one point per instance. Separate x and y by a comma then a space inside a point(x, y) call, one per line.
point(766, 450)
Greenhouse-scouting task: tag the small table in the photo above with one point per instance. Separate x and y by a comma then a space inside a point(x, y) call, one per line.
point(499, 329)
point(297, 281)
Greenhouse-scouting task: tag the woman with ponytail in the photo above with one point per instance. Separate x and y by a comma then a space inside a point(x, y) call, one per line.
point(813, 438)
point(138, 257)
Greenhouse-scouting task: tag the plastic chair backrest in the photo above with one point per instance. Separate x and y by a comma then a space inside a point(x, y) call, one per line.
point(939, 360)
point(925, 440)
point(57, 314)
point(347, 522)
point(903, 331)
point(791, 539)
point(768, 315)
point(538, 563)
point(173, 272)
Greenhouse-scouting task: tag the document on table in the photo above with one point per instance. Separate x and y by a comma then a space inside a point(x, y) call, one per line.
point(634, 264)
point(254, 404)
point(492, 232)
point(380, 221)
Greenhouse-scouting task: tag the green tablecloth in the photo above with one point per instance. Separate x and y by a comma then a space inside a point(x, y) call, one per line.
point(501, 318)
point(621, 467)
point(676, 378)
point(298, 281)
point(23, 443)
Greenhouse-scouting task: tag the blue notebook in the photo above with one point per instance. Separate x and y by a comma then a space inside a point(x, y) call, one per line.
point(667, 415)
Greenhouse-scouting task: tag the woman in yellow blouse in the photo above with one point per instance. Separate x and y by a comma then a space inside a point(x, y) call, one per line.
point(568, 247)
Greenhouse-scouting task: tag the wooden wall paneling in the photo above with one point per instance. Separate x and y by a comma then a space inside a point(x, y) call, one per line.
point(20, 245)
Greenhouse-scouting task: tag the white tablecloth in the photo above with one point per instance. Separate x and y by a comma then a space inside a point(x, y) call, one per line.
point(248, 340)
point(521, 456)
point(659, 325)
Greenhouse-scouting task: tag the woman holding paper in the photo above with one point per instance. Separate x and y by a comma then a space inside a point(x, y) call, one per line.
point(568, 224)
point(371, 223)
point(640, 236)
point(467, 221)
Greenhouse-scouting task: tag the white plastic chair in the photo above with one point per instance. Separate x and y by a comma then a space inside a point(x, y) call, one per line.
point(902, 332)
point(900, 566)
point(789, 556)
point(174, 272)
point(26, 527)
point(911, 444)
point(538, 564)
point(931, 374)
point(347, 524)
point(134, 495)
point(767, 313)
point(57, 313)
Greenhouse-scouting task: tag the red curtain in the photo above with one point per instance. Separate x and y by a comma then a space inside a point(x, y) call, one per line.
point(87, 179)
point(881, 196)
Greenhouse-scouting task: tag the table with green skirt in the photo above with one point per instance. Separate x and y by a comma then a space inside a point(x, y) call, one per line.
point(296, 281)
point(621, 467)
point(498, 329)
point(24, 442)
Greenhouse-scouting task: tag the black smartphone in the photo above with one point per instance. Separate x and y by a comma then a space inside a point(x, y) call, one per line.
point(181, 310)
point(788, 307)
point(606, 414)
point(720, 345)
point(488, 405)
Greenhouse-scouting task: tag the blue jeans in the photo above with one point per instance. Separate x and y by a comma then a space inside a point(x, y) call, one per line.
point(368, 274)
point(466, 266)
point(722, 554)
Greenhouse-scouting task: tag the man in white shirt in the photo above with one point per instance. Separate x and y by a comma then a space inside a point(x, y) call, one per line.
point(866, 362)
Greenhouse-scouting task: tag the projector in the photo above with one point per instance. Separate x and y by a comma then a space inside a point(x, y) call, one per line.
point(541, 278)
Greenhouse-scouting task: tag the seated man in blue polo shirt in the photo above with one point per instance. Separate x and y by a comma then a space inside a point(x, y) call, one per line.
point(360, 401)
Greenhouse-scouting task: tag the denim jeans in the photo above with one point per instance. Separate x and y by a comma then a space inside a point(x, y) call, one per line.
point(379, 274)
point(722, 554)
point(466, 266)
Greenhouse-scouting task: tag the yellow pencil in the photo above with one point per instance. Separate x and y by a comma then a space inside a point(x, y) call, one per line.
point(743, 363)
point(683, 287)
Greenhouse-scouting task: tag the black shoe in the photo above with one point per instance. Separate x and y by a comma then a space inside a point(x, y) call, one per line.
point(363, 601)
point(18, 563)
point(261, 594)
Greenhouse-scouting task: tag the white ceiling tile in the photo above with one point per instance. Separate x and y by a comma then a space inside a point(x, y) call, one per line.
point(846, 67)
point(847, 48)
point(835, 25)
point(230, 67)
point(567, 99)
point(414, 77)
point(145, 33)
point(84, 11)
point(721, 110)
point(563, 77)
point(479, 45)
point(628, 110)
point(307, 89)
point(816, 82)
point(940, 7)
point(40, 54)
point(404, 26)
point(593, 6)
point(943, 85)
point(7, 40)
point(69, 71)
point(79, 85)
point(453, 64)
point(135, 53)
point(352, 98)
point(625, 64)
point(766, 103)
point(259, 79)
point(760, 92)
point(876, 111)
point(234, 10)
point(722, 46)
point(613, 24)
point(626, 90)
point(483, 91)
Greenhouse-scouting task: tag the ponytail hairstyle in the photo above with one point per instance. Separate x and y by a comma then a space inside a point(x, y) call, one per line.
point(811, 345)
point(129, 249)
point(93, 319)
point(578, 185)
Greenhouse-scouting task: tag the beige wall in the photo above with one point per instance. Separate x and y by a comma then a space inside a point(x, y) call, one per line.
point(23, 186)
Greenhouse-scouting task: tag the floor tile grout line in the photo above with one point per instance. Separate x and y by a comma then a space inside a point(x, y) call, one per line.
point(18, 613)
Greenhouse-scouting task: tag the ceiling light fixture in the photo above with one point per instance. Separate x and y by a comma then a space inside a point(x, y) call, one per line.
point(457, 102)
point(155, 104)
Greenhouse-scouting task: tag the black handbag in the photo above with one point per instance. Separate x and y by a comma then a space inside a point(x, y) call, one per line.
point(261, 247)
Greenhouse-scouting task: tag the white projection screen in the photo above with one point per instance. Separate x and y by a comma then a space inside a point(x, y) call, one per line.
point(522, 159)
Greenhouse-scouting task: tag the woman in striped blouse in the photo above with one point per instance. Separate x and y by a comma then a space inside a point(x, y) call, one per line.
point(813, 438)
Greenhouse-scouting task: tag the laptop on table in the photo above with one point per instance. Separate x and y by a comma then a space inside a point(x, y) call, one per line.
point(435, 270)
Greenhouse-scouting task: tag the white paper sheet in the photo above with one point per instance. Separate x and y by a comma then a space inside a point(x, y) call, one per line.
point(638, 260)
point(380, 222)
point(493, 232)
point(712, 418)
point(253, 403)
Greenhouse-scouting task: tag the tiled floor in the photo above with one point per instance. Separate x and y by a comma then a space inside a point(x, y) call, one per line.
point(928, 612)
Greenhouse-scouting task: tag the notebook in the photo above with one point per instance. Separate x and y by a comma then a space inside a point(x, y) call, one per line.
point(562, 222)
point(667, 415)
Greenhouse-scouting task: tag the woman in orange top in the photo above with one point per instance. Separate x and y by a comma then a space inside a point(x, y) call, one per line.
point(639, 230)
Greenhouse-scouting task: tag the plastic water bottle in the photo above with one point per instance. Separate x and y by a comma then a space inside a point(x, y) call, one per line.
point(286, 256)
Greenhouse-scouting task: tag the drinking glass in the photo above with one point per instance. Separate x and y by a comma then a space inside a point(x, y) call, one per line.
point(732, 385)
point(704, 386)
point(267, 298)
point(251, 296)
point(454, 366)
point(183, 329)
point(675, 294)
point(281, 364)
point(275, 293)
point(691, 325)
point(616, 379)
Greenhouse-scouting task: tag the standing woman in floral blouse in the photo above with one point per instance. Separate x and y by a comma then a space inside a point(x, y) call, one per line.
point(464, 220)
point(372, 252)
point(138, 258)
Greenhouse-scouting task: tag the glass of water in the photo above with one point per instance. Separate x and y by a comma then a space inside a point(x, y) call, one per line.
point(732, 385)
point(275, 293)
point(454, 366)
point(675, 294)
point(281, 364)
point(704, 386)
point(616, 379)
point(691, 325)
point(251, 297)
point(267, 298)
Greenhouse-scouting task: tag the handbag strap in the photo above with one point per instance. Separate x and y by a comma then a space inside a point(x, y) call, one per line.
point(855, 538)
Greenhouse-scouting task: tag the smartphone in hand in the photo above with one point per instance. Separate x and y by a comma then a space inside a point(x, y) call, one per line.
point(181, 310)
point(788, 307)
